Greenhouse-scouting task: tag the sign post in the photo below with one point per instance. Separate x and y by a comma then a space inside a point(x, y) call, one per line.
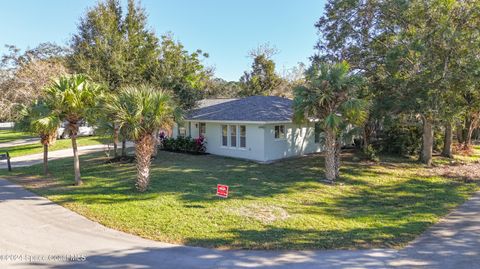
point(6, 156)
point(222, 191)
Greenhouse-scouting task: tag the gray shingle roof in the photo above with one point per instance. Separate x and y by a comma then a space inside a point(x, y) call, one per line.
point(253, 108)
point(210, 102)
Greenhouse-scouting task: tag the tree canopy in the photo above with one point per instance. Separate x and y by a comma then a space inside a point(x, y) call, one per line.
point(23, 75)
point(262, 79)
point(413, 54)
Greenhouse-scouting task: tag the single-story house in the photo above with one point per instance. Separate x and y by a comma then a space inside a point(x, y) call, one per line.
point(258, 128)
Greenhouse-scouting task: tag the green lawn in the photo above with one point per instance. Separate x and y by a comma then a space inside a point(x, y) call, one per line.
point(10, 135)
point(59, 144)
point(470, 158)
point(271, 206)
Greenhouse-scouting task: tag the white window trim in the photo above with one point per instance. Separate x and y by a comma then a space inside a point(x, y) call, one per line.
point(229, 137)
point(179, 133)
point(199, 129)
point(221, 136)
point(239, 137)
point(284, 132)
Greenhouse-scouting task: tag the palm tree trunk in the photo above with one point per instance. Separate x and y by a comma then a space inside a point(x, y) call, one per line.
point(365, 138)
point(338, 150)
point(155, 145)
point(330, 155)
point(427, 142)
point(447, 142)
point(143, 154)
point(115, 141)
point(124, 147)
point(45, 159)
point(76, 160)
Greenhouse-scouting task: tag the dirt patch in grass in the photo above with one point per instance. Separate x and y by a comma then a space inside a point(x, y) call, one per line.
point(33, 182)
point(266, 214)
point(121, 159)
point(458, 171)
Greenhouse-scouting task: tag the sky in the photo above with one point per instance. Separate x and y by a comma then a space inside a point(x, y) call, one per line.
point(226, 29)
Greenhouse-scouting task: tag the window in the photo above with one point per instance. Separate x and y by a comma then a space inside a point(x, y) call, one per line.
point(224, 136)
point(233, 135)
point(182, 131)
point(243, 137)
point(279, 131)
point(202, 129)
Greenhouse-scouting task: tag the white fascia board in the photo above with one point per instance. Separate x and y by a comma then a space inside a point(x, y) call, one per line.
point(241, 122)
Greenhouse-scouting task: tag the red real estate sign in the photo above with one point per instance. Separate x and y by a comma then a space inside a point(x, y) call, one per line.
point(222, 190)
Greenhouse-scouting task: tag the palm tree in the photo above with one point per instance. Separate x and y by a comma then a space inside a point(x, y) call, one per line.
point(73, 98)
point(42, 121)
point(330, 97)
point(140, 112)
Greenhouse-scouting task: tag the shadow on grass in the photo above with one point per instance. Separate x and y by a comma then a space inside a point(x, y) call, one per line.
point(378, 214)
point(194, 178)
point(290, 238)
point(397, 201)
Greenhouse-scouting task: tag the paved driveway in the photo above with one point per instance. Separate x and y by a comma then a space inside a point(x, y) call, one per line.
point(34, 227)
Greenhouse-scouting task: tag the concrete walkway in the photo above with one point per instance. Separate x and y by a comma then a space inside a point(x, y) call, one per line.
point(33, 159)
point(20, 142)
point(32, 227)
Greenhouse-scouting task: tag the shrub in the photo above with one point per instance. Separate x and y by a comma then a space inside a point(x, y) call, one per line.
point(183, 144)
point(371, 154)
point(401, 139)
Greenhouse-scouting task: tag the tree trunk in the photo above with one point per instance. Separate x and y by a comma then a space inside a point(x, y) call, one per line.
point(471, 127)
point(124, 147)
point(427, 142)
point(330, 155)
point(459, 131)
point(45, 159)
point(365, 138)
point(115, 141)
point(338, 151)
point(76, 160)
point(143, 154)
point(156, 143)
point(447, 141)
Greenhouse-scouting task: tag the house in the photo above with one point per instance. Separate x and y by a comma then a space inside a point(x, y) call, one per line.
point(258, 128)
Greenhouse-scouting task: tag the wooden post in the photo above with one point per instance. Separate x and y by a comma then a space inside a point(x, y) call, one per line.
point(8, 162)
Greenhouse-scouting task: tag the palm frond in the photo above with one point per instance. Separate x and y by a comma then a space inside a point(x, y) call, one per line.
point(142, 110)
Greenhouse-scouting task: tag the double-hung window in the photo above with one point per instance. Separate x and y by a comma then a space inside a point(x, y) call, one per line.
point(202, 129)
point(182, 131)
point(279, 131)
point(224, 135)
point(234, 136)
point(243, 136)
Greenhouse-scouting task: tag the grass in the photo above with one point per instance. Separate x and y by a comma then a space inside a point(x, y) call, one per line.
point(475, 157)
point(10, 135)
point(282, 205)
point(22, 150)
point(466, 158)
